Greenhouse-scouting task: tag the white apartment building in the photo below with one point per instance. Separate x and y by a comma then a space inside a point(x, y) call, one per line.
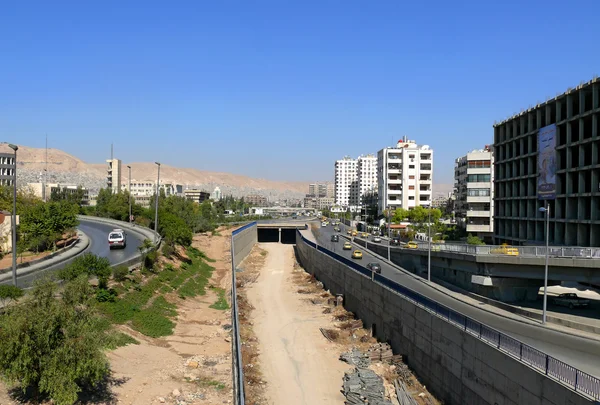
point(346, 182)
point(474, 192)
point(367, 175)
point(405, 175)
point(142, 191)
point(113, 175)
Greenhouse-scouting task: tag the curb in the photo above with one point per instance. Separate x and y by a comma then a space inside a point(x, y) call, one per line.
point(42, 259)
point(78, 247)
point(436, 287)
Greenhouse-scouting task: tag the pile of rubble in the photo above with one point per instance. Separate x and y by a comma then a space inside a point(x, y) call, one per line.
point(363, 386)
point(356, 358)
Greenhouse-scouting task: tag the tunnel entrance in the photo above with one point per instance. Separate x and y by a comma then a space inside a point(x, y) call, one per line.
point(270, 235)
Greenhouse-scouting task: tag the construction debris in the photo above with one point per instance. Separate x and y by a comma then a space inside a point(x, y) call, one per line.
point(356, 358)
point(363, 386)
point(330, 334)
point(381, 352)
point(404, 397)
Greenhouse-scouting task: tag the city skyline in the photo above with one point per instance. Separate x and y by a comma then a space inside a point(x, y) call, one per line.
point(260, 81)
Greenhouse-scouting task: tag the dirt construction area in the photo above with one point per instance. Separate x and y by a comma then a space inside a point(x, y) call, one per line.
point(301, 347)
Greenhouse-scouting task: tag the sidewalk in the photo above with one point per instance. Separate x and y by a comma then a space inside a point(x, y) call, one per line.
point(78, 247)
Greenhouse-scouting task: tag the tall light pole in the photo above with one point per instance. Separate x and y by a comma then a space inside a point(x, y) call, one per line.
point(14, 217)
point(129, 191)
point(389, 235)
point(429, 248)
point(546, 211)
point(156, 202)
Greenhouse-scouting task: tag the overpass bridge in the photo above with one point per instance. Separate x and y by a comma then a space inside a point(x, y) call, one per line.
point(279, 231)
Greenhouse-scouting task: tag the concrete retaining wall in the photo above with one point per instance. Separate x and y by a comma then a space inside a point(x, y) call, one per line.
point(242, 241)
point(456, 366)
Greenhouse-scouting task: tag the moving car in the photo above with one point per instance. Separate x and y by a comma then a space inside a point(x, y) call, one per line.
point(505, 249)
point(322, 223)
point(364, 235)
point(395, 242)
point(357, 254)
point(335, 238)
point(117, 238)
point(411, 245)
point(337, 229)
point(375, 267)
point(571, 300)
point(354, 232)
point(376, 239)
point(347, 246)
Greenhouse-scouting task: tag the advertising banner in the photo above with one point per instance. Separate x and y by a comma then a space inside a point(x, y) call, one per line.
point(547, 163)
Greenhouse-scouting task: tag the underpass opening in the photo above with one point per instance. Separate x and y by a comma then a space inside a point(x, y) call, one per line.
point(288, 236)
point(268, 235)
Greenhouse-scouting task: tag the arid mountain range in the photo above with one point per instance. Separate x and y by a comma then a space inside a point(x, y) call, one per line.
point(64, 168)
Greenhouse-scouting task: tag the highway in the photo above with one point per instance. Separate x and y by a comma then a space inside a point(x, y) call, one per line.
point(579, 352)
point(98, 233)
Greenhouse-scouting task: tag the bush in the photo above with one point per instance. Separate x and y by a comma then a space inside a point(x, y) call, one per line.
point(168, 249)
point(120, 273)
point(53, 346)
point(89, 264)
point(9, 293)
point(149, 260)
point(106, 295)
point(474, 240)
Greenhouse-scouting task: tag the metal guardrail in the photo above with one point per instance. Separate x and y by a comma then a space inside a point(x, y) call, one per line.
point(525, 251)
point(237, 365)
point(581, 382)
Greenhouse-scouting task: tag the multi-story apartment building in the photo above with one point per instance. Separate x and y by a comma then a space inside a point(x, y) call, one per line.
point(143, 191)
point(346, 182)
point(50, 189)
point(7, 169)
point(404, 176)
point(256, 200)
point(321, 190)
point(318, 203)
point(196, 195)
point(113, 176)
point(474, 192)
point(367, 175)
point(550, 154)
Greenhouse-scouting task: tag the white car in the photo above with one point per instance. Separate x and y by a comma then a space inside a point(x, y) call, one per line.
point(117, 238)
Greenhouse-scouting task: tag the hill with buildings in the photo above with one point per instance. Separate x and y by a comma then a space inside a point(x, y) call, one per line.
point(64, 168)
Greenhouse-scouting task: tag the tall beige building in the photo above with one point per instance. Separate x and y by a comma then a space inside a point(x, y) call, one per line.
point(113, 176)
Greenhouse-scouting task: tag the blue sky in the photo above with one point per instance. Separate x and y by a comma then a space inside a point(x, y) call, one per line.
point(281, 89)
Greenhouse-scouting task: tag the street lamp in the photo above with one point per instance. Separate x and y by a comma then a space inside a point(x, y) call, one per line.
point(13, 217)
point(156, 201)
point(429, 248)
point(546, 211)
point(129, 191)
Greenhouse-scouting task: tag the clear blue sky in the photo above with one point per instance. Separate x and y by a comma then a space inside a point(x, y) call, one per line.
point(262, 87)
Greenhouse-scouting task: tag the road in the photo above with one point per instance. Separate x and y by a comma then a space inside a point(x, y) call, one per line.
point(579, 352)
point(98, 233)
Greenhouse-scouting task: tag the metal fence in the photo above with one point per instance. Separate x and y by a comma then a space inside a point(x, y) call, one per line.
point(526, 251)
point(237, 365)
point(555, 369)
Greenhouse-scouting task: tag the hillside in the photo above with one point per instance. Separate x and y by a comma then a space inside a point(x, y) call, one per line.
point(67, 169)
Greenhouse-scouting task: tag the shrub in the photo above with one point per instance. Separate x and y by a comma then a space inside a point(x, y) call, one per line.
point(474, 240)
point(168, 249)
point(120, 273)
point(9, 293)
point(106, 295)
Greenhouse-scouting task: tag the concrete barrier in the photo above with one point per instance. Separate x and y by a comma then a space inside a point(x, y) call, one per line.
point(242, 241)
point(460, 366)
point(146, 233)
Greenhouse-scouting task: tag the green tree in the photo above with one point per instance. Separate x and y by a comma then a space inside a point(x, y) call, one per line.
point(42, 224)
point(65, 194)
point(53, 346)
point(399, 215)
point(88, 264)
point(474, 240)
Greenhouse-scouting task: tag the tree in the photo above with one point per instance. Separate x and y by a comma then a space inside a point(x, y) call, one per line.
point(53, 346)
point(400, 215)
point(88, 264)
point(474, 240)
point(42, 224)
point(66, 194)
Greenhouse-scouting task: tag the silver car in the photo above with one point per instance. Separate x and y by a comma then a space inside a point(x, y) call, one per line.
point(117, 238)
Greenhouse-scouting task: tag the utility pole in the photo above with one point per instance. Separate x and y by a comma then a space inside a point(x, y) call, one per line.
point(14, 217)
point(156, 203)
point(546, 210)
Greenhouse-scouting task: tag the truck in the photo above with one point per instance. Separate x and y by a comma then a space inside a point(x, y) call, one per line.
point(571, 300)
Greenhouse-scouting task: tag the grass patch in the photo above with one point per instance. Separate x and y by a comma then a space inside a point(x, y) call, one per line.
point(154, 321)
point(119, 339)
point(208, 383)
point(192, 252)
point(221, 303)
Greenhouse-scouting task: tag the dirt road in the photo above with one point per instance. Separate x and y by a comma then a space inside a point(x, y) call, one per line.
point(298, 364)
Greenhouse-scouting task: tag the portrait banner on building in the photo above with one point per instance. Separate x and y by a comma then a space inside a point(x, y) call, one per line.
point(547, 163)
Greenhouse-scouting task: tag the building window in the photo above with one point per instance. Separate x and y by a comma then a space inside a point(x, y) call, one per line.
point(409, 187)
point(478, 192)
point(409, 166)
point(479, 178)
point(411, 177)
point(412, 197)
point(478, 164)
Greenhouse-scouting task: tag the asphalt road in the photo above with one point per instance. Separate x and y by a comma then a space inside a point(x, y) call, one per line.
point(579, 352)
point(98, 234)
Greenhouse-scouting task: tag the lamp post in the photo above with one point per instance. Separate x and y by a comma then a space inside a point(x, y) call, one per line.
point(156, 201)
point(546, 211)
point(389, 235)
point(129, 191)
point(429, 247)
point(14, 217)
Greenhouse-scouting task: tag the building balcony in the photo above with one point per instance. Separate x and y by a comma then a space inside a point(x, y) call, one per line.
point(394, 171)
point(394, 192)
point(478, 184)
point(425, 168)
point(479, 228)
point(394, 181)
point(478, 199)
point(474, 213)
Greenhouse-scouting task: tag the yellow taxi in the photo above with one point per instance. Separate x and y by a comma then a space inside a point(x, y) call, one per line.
point(411, 245)
point(364, 235)
point(349, 232)
point(357, 254)
point(505, 249)
point(354, 232)
point(347, 246)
